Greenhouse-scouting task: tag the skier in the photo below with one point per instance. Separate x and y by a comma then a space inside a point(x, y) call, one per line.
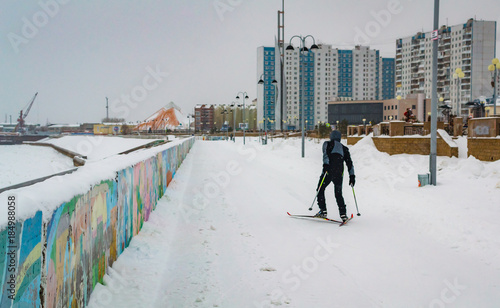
point(334, 156)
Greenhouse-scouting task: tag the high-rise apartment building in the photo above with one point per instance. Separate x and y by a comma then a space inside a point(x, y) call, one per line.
point(387, 79)
point(365, 73)
point(268, 107)
point(328, 74)
point(318, 70)
point(469, 47)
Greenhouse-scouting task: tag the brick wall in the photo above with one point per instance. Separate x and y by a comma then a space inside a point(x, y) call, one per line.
point(485, 149)
point(413, 145)
point(484, 127)
point(352, 140)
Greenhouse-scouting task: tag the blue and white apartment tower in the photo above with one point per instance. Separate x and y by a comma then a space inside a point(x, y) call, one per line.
point(359, 74)
point(299, 74)
point(388, 79)
point(345, 74)
point(306, 91)
point(268, 107)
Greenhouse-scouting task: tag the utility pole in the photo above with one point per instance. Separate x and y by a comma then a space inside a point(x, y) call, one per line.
point(107, 110)
point(433, 153)
point(281, 47)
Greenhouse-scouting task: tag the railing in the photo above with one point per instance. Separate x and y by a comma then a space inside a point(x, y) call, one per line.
point(414, 130)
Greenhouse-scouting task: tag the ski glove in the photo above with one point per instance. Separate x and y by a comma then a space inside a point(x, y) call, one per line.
point(352, 180)
point(325, 168)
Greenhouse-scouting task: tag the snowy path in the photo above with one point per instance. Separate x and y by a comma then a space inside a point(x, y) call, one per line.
point(220, 237)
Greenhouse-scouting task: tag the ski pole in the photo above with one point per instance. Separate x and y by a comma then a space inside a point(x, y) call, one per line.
point(317, 192)
point(355, 200)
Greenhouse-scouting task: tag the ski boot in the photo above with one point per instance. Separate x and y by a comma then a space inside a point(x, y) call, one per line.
point(321, 214)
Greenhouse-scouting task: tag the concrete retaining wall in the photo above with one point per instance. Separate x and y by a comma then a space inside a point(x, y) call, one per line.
point(61, 258)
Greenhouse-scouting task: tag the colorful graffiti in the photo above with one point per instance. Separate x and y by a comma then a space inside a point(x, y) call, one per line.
point(61, 260)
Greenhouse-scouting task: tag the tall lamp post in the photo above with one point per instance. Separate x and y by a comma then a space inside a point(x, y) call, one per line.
point(302, 49)
point(234, 104)
point(224, 122)
point(493, 68)
point(244, 96)
point(458, 75)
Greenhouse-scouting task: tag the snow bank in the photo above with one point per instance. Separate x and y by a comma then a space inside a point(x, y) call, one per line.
point(97, 147)
point(21, 163)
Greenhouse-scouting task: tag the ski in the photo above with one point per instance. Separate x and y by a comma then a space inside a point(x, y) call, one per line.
point(312, 216)
point(341, 223)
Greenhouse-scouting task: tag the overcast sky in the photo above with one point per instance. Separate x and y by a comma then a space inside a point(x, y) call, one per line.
point(144, 54)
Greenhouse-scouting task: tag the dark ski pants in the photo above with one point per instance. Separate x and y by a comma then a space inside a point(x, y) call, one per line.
point(337, 182)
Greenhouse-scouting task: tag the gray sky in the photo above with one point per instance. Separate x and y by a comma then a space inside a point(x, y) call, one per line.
point(144, 54)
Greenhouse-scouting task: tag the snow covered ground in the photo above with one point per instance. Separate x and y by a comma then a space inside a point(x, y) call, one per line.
point(21, 163)
point(220, 237)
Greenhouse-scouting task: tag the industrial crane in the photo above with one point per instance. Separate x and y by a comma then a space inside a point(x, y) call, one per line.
point(20, 122)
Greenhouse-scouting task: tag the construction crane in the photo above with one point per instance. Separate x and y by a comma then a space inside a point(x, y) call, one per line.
point(20, 122)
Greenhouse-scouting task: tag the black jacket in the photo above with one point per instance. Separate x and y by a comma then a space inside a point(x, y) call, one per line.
point(335, 154)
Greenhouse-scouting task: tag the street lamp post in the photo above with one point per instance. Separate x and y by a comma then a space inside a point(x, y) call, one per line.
point(234, 104)
point(262, 82)
point(244, 96)
point(224, 122)
point(265, 128)
point(493, 68)
point(302, 49)
point(318, 130)
point(271, 129)
point(364, 126)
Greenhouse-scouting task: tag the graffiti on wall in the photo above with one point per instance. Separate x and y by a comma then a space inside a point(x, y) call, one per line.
point(61, 260)
point(23, 291)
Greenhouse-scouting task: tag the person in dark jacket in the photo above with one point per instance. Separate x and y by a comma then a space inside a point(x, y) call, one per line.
point(334, 156)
